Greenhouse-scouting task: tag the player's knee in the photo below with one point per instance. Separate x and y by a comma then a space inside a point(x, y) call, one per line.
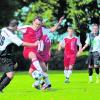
point(32, 55)
point(10, 75)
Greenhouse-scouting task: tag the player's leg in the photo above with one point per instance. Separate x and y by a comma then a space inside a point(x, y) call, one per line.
point(2, 77)
point(69, 72)
point(72, 60)
point(96, 56)
point(8, 78)
point(97, 73)
point(39, 80)
point(45, 75)
point(90, 71)
point(31, 72)
point(66, 67)
point(35, 61)
point(90, 67)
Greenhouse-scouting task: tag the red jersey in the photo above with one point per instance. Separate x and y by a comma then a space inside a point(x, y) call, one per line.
point(70, 45)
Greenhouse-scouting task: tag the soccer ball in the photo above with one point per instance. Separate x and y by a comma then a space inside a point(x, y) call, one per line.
point(37, 75)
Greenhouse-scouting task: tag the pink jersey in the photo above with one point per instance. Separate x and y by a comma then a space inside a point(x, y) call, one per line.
point(45, 54)
point(39, 33)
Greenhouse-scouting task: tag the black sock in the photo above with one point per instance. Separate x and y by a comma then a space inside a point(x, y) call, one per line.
point(3, 76)
point(4, 83)
point(49, 85)
point(90, 70)
point(97, 70)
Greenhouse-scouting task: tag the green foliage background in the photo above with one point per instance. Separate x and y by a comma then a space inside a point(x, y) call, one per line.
point(79, 14)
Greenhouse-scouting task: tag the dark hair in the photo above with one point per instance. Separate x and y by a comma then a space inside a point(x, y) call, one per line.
point(39, 18)
point(13, 23)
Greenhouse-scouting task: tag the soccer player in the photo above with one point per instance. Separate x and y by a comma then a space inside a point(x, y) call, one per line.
point(69, 44)
point(38, 57)
point(7, 36)
point(93, 40)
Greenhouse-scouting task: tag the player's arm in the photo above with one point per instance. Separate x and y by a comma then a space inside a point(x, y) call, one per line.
point(87, 43)
point(18, 41)
point(84, 47)
point(30, 44)
point(80, 47)
point(79, 44)
point(22, 28)
point(54, 28)
point(61, 45)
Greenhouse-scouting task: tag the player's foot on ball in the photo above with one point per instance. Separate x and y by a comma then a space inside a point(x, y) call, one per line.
point(67, 80)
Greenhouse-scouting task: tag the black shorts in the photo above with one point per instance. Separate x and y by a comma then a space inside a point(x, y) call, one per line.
point(90, 60)
point(7, 64)
point(94, 58)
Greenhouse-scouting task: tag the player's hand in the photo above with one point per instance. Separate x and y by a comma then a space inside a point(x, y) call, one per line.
point(60, 20)
point(78, 54)
point(37, 43)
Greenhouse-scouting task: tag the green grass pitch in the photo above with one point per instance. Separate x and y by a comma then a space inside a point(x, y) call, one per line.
point(78, 88)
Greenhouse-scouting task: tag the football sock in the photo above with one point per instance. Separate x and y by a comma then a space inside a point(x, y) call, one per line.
point(97, 70)
point(65, 73)
point(46, 78)
point(69, 73)
point(90, 70)
point(37, 65)
point(3, 76)
point(4, 83)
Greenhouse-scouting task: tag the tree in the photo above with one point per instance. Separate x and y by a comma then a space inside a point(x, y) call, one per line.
point(78, 13)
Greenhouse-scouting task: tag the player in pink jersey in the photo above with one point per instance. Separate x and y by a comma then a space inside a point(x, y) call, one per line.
point(38, 57)
point(70, 52)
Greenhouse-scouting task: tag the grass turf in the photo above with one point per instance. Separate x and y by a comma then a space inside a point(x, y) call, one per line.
point(78, 89)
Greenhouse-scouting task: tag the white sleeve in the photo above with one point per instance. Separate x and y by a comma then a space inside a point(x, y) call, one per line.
point(78, 42)
point(87, 39)
point(13, 38)
point(45, 30)
point(22, 28)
